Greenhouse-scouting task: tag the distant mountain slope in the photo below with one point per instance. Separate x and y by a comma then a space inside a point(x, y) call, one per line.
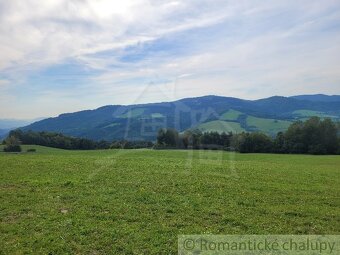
point(318, 98)
point(8, 124)
point(142, 121)
point(3, 133)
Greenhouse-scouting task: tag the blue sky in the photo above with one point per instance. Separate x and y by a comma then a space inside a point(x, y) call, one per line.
point(67, 55)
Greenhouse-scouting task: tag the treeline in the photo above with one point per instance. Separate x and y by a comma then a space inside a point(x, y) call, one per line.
point(314, 136)
point(57, 140)
point(61, 141)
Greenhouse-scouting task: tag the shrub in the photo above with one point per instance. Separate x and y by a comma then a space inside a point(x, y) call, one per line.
point(12, 144)
point(12, 148)
point(31, 150)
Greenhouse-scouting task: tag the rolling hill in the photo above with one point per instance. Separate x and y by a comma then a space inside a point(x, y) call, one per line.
point(208, 113)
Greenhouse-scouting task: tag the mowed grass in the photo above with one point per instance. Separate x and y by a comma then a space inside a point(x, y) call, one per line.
point(220, 126)
point(269, 126)
point(138, 201)
point(231, 115)
point(133, 113)
point(309, 113)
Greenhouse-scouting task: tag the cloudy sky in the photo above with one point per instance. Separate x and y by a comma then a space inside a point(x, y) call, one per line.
point(67, 55)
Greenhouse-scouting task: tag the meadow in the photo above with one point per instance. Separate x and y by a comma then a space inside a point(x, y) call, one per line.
point(138, 201)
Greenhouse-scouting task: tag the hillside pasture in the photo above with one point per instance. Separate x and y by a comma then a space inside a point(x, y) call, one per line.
point(220, 126)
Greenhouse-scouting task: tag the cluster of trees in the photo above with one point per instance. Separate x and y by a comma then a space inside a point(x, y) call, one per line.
point(314, 136)
point(56, 140)
point(192, 139)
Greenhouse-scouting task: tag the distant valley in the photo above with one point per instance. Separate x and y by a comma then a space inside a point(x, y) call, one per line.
point(8, 124)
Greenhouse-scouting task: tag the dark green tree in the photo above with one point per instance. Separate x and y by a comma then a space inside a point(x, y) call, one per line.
point(279, 145)
point(255, 143)
point(168, 137)
point(294, 138)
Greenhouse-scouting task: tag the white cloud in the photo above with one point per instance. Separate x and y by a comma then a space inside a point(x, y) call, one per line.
point(255, 48)
point(36, 33)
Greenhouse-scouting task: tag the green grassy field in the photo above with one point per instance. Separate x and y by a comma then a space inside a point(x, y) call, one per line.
point(138, 201)
point(133, 113)
point(228, 123)
point(220, 126)
point(231, 115)
point(308, 113)
point(269, 126)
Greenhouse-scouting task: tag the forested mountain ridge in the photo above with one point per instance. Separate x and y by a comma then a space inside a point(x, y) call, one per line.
point(207, 113)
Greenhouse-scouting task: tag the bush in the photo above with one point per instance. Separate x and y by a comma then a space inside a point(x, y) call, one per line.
point(12, 144)
point(12, 148)
point(31, 150)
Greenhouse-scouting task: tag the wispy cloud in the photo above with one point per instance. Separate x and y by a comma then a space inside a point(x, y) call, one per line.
point(109, 51)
